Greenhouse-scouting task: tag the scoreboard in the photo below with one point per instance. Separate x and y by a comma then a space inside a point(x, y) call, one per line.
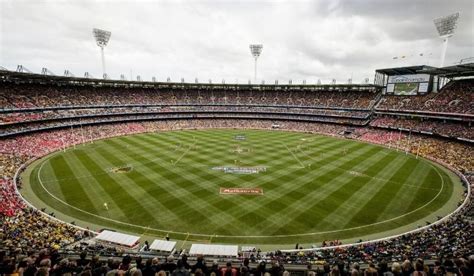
point(406, 85)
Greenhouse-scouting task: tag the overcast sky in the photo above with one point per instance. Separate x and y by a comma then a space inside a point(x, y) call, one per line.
point(302, 40)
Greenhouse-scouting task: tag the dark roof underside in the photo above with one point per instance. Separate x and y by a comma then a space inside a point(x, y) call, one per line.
point(403, 70)
point(12, 76)
point(461, 70)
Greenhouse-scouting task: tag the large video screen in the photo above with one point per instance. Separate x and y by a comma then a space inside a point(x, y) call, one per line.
point(408, 85)
point(406, 89)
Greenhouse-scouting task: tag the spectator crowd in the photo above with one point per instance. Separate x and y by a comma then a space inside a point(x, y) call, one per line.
point(51, 262)
point(441, 127)
point(31, 242)
point(23, 96)
point(457, 97)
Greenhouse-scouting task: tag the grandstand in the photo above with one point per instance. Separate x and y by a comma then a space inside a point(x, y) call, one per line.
point(306, 177)
point(42, 114)
point(31, 102)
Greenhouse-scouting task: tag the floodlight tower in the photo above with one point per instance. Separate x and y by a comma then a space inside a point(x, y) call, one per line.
point(102, 38)
point(256, 50)
point(445, 26)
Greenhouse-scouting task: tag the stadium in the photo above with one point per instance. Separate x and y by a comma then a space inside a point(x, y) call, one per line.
point(112, 175)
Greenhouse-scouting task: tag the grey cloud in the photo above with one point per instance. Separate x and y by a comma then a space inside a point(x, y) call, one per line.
point(209, 39)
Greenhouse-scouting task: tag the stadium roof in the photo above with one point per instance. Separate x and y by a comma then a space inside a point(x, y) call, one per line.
point(404, 70)
point(461, 70)
point(21, 77)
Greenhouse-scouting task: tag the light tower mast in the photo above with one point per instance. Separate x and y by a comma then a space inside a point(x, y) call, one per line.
point(445, 26)
point(102, 38)
point(256, 50)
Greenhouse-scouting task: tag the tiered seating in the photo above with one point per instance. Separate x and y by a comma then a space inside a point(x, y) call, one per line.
point(38, 106)
point(24, 229)
point(444, 128)
point(455, 97)
point(36, 95)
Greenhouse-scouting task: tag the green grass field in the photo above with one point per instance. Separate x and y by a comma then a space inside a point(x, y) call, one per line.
point(314, 188)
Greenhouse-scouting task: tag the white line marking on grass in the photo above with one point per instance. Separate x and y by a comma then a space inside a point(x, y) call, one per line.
point(105, 170)
point(108, 169)
point(294, 156)
point(240, 236)
point(184, 153)
point(368, 176)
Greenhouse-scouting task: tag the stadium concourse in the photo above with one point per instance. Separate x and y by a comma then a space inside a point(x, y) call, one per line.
point(43, 114)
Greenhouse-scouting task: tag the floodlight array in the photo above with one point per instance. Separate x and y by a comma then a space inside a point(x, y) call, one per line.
point(22, 69)
point(256, 50)
point(101, 37)
point(446, 25)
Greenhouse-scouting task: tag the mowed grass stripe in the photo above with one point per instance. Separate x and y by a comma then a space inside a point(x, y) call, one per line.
point(284, 195)
point(406, 192)
point(292, 206)
point(383, 196)
point(72, 190)
point(120, 180)
point(283, 171)
point(121, 196)
point(170, 199)
point(168, 144)
point(344, 201)
point(195, 161)
point(329, 184)
point(225, 144)
point(290, 190)
point(47, 178)
point(195, 139)
point(218, 214)
point(196, 208)
point(280, 195)
point(214, 153)
point(125, 152)
point(137, 181)
point(422, 196)
point(372, 184)
point(284, 162)
point(94, 190)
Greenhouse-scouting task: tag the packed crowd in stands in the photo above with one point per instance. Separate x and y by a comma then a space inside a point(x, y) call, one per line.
point(30, 241)
point(449, 152)
point(49, 262)
point(85, 104)
point(445, 128)
point(20, 96)
point(38, 231)
point(74, 113)
point(67, 122)
point(455, 97)
point(447, 239)
point(104, 104)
